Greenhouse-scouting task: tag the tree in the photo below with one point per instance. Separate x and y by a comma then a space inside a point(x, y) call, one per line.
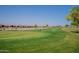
point(73, 16)
point(35, 25)
point(3, 25)
point(47, 25)
point(11, 25)
point(66, 25)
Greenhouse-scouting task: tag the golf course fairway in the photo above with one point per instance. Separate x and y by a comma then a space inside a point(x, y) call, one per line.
point(39, 41)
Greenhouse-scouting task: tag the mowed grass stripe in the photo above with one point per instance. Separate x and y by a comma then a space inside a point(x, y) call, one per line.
point(21, 34)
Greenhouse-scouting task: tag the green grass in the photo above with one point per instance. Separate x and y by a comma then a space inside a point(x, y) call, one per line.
point(48, 41)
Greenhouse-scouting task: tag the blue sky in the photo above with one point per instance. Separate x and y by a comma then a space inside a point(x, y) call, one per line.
point(31, 14)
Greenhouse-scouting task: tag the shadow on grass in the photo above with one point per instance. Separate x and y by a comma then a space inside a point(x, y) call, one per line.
point(75, 31)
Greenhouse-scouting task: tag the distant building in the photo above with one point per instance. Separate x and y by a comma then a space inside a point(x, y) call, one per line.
point(22, 27)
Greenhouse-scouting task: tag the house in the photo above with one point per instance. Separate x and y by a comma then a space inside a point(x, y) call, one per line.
point(22, 27)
